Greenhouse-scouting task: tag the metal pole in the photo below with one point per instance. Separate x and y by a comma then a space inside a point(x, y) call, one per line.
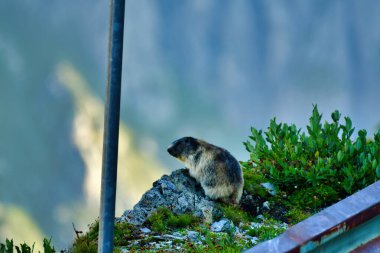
point(111, 127)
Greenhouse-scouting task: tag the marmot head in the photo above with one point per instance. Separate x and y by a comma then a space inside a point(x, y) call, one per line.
point(183, 148)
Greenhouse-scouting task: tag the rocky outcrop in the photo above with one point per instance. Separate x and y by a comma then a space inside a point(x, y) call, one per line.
point(182, 194)
point(177, 191)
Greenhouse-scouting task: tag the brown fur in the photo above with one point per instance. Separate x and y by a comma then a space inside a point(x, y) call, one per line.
point(217, 171)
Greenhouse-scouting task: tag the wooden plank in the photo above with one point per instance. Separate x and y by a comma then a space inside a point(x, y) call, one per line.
point(325, 227)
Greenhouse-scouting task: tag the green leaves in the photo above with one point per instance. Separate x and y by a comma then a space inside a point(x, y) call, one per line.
point(248, 146)
point(7, 247)
point(325, 155)
point(335, 116)
point(24, 248)
point(47, 246)
point(378, 171)
point(315, 122)
point(340, 156)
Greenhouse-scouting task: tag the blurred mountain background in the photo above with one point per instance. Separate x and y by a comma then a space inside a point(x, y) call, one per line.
point(205, 68)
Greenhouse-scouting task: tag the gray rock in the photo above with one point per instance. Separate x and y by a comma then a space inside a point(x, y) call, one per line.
point(179, 192)
point(260, 216)
point(270, 188)
point(255, 225)
point(193, 236)
point(254, 240)
point(266, 205)
point(177, 234)
point(224, 225)
point(145, 230)
point(174, 237)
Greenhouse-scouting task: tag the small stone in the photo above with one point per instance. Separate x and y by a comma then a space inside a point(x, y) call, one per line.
point(238, 230)
point(255, 225)
point(178, 234)
point(223, 225)
point(254, 240)
point(193, 236)
point(284, 226)
point(145, 230)
point(260, 216)
point(135, 243)
point(159, 238)
point(173, 237)
point(266, 205)
point(270, 188)
point(208, 213)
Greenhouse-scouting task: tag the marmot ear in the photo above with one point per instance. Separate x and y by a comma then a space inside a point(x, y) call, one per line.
point(193, 143)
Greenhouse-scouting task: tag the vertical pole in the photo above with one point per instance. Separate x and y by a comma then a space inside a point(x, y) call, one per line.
point(111, 127)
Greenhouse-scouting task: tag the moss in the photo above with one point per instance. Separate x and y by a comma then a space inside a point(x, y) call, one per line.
point(268, 230)
point(313, 198)
point(217, 242)
point(235, 214)
point(183, 220)
point(296, 215)
point(265, 233)
point(159, 218)
point(252, 181)
point(163, 219)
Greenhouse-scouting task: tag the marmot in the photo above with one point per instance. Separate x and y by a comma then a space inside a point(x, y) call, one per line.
point(218, 172)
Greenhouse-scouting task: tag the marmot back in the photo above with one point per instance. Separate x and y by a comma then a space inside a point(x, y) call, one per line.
point(218, 172)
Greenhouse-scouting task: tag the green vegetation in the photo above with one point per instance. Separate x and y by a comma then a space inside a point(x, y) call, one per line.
point(123, 232)
point(265, 232)
point(163, 219)
point(308, 170)
point(214, 242)
point(316, 169)
point(8, 247)
point(252, 180)
point(87, 242)
point(266, 229)
point(295, 215)
point(234, 213)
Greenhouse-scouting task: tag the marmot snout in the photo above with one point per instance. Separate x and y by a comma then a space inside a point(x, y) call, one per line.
point(218, 172)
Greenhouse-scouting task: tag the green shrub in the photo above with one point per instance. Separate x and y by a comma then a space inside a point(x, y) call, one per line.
point(316, 168)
